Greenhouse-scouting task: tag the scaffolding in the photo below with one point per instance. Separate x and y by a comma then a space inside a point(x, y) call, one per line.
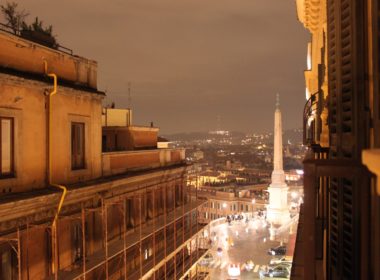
point(15, 244)
point(176, 221)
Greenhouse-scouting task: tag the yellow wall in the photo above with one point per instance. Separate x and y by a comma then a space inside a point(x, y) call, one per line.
point(23, 55)
point(313, 15)
point(26, 102)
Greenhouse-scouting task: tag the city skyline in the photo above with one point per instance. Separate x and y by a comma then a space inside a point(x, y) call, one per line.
point(191, 61)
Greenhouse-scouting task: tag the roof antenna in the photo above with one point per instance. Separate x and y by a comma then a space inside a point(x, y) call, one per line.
point(129, 96)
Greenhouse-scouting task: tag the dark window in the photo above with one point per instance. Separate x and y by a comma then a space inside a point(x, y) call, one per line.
point(77, 146)
point(6, 147)
point(149, 205)
point(77, 242)
point(129, 213)
point(8, 263)
point(178, 195)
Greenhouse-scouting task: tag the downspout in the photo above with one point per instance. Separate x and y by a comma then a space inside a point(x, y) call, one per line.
point(63, 188)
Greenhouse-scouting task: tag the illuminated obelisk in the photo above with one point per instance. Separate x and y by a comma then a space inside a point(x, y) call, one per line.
point(278, 210)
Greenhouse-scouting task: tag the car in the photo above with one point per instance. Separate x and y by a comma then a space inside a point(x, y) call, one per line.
point(284, 259)
point(206, 260)
point(233, 270)
point(277, 272)
point(277, 251)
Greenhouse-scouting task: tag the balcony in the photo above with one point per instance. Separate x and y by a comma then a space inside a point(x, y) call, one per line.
point(124, 161)
point(19, 54)
point(128, 138)
point(311, 119)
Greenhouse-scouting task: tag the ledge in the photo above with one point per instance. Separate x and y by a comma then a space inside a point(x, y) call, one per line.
point(124, 161)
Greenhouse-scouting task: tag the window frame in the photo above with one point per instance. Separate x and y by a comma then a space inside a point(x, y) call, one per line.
point(11, 173)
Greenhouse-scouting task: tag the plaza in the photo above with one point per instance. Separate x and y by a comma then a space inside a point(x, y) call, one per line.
point(244, 243)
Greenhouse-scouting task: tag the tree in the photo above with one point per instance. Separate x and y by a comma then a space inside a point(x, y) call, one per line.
point(38, 33)
point(38, 26)
point(14, 18)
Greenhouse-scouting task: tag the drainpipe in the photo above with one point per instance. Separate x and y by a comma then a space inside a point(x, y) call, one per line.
point(63, 188)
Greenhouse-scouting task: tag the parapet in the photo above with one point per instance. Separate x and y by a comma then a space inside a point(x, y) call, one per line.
point(19, 54)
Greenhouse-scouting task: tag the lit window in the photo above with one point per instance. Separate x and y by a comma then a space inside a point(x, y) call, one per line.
point(6, 147)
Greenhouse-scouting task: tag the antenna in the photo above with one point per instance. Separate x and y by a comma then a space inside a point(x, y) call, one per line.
point(277, 101)
point(129, 96)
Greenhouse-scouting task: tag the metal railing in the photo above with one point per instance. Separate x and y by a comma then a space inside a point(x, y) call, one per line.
point(311, 113)
point(58, 47)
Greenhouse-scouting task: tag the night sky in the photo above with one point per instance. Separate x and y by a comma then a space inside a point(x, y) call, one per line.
point(189, 61)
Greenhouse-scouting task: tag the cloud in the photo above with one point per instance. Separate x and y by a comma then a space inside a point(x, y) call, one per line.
point(190, 60)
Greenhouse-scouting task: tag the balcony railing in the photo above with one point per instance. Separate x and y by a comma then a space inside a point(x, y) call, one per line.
point(311, 118)
point(334, 190)
point(124, 161)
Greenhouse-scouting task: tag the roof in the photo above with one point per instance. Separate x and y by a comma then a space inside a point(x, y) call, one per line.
point(162, 139)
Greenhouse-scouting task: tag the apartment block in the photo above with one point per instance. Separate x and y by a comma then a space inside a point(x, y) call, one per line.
point(85, 193)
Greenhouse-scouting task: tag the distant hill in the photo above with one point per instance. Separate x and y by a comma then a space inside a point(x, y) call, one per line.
point(294, 135)
point(189, 136)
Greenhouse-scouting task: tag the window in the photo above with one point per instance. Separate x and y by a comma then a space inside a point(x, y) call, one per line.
point(8, 263)
point(77, 146)
point(6, 147)
point(149, 205)
point(77, 242)
point(129, 215)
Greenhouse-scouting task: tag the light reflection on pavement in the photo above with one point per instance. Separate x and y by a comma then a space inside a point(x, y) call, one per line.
point(241, 242)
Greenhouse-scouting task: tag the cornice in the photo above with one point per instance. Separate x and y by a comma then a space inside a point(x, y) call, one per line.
point(309, 13)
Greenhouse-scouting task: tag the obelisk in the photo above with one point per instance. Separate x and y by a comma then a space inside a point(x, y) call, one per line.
point(278, 210)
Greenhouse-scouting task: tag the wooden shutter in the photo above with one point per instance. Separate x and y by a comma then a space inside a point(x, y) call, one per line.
point(348, 132)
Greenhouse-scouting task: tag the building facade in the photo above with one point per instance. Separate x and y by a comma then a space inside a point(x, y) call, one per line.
point(339, 230)
point(226, 203)
point(84, 194)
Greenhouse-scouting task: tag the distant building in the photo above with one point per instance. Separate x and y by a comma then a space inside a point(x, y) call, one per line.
point(231, 201)
point(211, 177)
point(162, 143)
point(198, 155)
point(84, 194)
